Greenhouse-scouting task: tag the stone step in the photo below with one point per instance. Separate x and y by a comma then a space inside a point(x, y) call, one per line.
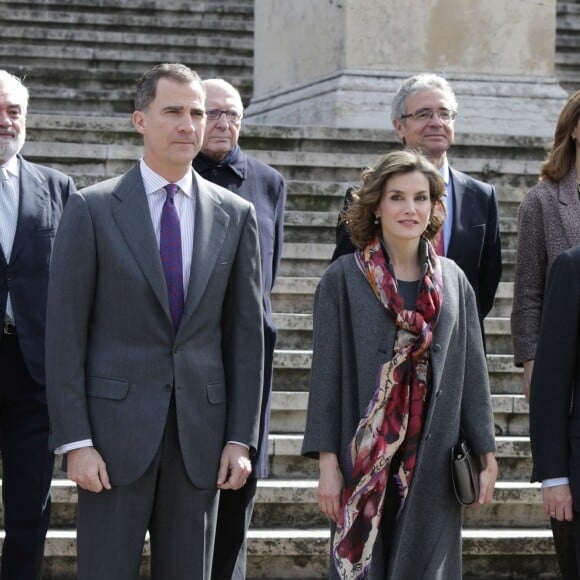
point(291, 503)
point(295, 331)
point(292, 371)
point(82, 24)
point(513, 456)
point(303, 226)
point(288, 554)
point(310, 259)
point(288, 413)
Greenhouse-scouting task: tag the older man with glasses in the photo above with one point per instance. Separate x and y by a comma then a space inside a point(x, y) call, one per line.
point(222, 161)
point(423, 112)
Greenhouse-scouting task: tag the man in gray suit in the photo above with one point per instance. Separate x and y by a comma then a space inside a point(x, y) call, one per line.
point(155, 346)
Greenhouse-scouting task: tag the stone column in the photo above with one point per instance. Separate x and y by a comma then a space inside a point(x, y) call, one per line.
point(337, 63)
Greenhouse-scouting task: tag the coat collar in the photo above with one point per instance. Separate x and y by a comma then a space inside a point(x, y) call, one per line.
point(238, 163)
point(34, 197)
point(568, 198)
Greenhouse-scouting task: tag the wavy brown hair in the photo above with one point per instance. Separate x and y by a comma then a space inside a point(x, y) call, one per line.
point(360, 216)
point(562, 155)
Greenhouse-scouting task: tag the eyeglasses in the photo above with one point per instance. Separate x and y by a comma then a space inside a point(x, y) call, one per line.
point(423, 115)
point(215, 114)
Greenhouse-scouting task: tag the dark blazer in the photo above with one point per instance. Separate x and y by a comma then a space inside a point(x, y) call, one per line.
point(113, 357)
point(475, 239)
point(264, 187)
point(43, 194)
point(555, 387)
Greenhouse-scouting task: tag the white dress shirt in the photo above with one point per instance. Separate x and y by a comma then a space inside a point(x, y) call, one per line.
point(12, 167)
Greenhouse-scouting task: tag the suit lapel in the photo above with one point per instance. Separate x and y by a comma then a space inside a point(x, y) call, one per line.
point(567, 200)
point(133, 218)
point(211, 225)
point(461, 212)
point(32, 205)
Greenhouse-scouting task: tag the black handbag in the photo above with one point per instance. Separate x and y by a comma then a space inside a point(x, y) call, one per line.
point(465, 470)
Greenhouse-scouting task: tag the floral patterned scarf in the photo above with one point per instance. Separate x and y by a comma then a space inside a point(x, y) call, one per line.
point(394, 418)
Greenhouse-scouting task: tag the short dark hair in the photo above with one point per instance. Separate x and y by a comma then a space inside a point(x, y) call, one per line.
point(360, 216)
point(147, 84)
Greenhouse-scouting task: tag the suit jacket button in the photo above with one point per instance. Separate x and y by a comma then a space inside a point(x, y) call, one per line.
point(168, 387)
point(176, 349)
point(436, 347)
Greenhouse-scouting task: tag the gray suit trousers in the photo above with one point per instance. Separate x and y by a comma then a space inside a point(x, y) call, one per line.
point(181, 520)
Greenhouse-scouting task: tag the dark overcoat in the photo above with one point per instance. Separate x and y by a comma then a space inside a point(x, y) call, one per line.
point(265, 188)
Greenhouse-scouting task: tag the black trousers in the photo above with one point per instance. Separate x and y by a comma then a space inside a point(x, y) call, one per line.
point(26, 465)
point(567, 544)
point(234, 516)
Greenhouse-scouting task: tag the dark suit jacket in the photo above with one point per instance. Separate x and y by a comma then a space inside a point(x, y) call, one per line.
point(114, 360)
point(555, 387)
point(43, 194)
point(266, 189)
point(475, 240)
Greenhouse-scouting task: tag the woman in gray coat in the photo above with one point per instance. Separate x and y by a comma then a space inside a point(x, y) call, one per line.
point(398, 369)
point(548, 224)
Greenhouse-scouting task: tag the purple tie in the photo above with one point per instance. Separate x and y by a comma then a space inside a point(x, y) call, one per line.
point(170, 248)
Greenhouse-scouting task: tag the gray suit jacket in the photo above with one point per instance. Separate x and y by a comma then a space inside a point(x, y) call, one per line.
point(113, 358)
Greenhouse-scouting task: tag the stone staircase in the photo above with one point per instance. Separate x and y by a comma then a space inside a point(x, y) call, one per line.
point(81, 59)
point(289, 538)
point(568, 45)
point(86, 55)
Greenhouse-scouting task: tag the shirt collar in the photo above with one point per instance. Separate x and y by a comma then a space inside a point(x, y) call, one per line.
point(153, 182)
point(444, 172)
point(12, 166)
point(235, 161)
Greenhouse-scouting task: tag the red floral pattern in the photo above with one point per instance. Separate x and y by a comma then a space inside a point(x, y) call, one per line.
point(394, 418)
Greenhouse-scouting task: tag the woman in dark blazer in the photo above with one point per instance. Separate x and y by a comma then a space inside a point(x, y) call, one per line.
point(548, 224)
point(398, 367)
point(555, 396)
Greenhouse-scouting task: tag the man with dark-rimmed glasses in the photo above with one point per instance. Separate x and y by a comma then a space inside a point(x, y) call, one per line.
point(423, 112)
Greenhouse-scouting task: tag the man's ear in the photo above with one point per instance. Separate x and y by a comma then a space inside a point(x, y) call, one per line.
point(139, 121)
point(399, 129)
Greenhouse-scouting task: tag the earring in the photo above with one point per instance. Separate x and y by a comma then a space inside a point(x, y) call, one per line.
point(377, 220)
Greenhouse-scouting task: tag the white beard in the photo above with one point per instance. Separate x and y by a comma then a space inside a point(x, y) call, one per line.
point(11, 146)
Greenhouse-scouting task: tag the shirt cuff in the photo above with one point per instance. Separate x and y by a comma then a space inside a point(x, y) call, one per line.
point(72, 446)
point(238, 443)
point(554, 481)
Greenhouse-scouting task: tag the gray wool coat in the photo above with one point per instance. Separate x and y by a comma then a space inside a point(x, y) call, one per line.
point(353, 337)
point(548, 221)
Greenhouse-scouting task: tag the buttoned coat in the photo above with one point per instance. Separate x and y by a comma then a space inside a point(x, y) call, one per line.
point(113, 357)
point(353, 337)
point(548, 224)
